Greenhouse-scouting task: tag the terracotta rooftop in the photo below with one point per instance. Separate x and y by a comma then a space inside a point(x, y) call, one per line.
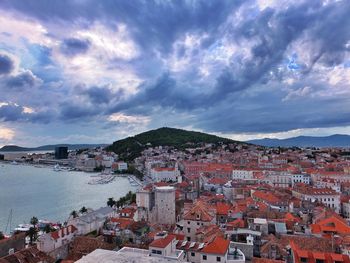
point(199, 212)
point(63, 231)
point(331, 225)
point(218, 246)
point(29, 255)
point(162, 242)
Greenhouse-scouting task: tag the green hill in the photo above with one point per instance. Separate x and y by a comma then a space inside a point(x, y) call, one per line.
point(131, 147)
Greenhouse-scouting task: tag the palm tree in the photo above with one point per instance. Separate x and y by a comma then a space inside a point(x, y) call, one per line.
point(34, 221)
point(32, 233)
point(74, 214)
point(111, 202)
point(83, 210)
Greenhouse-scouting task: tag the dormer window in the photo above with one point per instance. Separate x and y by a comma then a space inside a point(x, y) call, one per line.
point(198, 217)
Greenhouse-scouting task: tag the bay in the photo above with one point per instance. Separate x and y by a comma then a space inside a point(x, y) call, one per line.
point(30, 191)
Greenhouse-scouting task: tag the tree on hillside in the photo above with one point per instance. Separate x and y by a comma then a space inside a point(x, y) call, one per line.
point(83, 210)
point(74, 214)
point(111, 202)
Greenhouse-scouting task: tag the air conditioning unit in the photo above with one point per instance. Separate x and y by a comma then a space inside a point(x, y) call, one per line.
point(11, 251)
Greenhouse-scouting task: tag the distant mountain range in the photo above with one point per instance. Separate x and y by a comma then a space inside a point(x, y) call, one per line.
point(336, 140)
point(131, 147)
point(15, 148)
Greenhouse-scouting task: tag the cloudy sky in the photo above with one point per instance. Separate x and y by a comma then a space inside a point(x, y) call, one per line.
point(81, 71)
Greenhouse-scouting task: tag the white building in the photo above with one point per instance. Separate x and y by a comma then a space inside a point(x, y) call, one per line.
point(165, 174)
point(327, 196)
point(283, 180)
point(346, 209)
point(301, 178)
point(197, 216)
point(162, 249)
point(168, 249)
point(49, 242)
point(107, 161)
point(328, 183)
point(122, 166)
point(91, 221)
point(242, 174)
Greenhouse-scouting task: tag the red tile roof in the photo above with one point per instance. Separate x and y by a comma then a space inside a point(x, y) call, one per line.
point(312, 256)
point(267, 197)
point(332, 224)
point(162, 242)
point(199, 212)
point(123, 222)
point(63, 231)
point(223, 208)
point(217, 246)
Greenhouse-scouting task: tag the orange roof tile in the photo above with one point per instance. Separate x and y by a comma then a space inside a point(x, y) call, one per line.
point(162, 242)
point(331, 224)
point(217, 246)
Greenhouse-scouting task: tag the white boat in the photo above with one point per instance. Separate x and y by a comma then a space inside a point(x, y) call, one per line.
point(23, 228)
point(57, 168)
point(14, 163)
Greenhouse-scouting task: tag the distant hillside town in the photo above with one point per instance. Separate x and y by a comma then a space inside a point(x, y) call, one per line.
point(221, 201)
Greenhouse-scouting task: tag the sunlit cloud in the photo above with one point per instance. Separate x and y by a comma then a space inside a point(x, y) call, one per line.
point(6, 134)
point(120, 117)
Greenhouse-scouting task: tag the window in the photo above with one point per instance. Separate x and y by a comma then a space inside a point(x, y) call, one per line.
point(188, 230)
point(188, 222)
point(218, 259)
point(188, 239)
point(204, 257)
point(304, 260)
point(193, 254)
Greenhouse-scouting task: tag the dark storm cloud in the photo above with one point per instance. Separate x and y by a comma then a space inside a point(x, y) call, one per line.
point(154, 24)
point(272, 42)
point(6, 64)
point(99, 94)
point(21, 81)
point(74, 46)
point(70, 111)
point(237, 96)
point(11, 112)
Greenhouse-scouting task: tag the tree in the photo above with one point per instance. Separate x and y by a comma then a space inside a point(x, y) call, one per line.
point(74, 214)
point(111, 202)
point(48, 228)
point(83, 210)
point(33, 234)
point(2, 236)
point(34, 221)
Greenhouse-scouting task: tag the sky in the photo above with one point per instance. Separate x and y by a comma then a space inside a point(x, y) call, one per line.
point(80, 71)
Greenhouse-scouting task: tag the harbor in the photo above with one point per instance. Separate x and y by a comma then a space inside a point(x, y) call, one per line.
point(50, 195)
